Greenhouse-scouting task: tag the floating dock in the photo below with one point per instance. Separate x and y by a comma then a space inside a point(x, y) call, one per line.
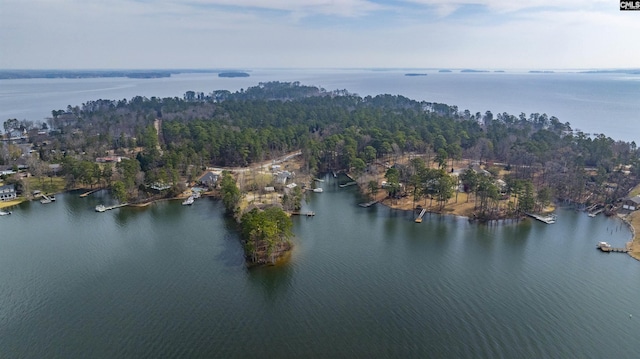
point(593, 214)
point(550, 219)
point(419, 219)
point(606, 248)
point(347, 184)
point(368, 204)
point(90, 192)
point(45, 199)
point(308, 214)
point(103, 208)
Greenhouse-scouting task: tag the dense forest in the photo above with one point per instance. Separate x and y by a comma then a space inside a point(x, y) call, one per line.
point(336, 131)
point(169, 139)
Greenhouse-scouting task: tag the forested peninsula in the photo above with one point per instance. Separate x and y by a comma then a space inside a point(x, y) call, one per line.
point(395, 148)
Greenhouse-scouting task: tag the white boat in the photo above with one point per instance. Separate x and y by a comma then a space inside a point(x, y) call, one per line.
point(591, 215)
point(317, 190)
point(603, 245)
point(189, 201)
point(4, 213)
point(101, 208)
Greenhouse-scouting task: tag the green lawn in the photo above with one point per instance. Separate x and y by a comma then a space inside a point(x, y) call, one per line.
point(46, 184)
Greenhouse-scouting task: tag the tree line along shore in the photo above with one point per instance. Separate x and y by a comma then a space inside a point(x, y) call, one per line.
point(403, 152)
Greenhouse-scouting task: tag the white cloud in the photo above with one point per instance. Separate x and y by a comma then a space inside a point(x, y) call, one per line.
point(278, 33)
point(511, 5)
point(347, 8)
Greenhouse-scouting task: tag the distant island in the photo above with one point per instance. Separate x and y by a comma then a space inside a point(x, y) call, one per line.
point(83, 74)
point(471, 70)
point(233, 74)
point(499, 71)
point(621, 71)
point(540, 72)
point(445, 70)
point(415, 74)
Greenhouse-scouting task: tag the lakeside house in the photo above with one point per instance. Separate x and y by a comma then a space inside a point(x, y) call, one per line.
point(281, 177)
point(631, 203)
point(209, 179)
point(109, 159)
point(7, 193)
point(160, 186)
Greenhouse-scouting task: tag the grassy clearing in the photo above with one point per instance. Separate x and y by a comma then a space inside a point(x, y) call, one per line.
point(46, 184)
point(15, 202)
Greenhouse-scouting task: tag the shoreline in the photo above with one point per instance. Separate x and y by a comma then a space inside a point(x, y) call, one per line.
point(20, 200)
point(632, 220)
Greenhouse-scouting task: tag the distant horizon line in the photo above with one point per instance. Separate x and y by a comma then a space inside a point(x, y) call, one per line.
point(373, 68)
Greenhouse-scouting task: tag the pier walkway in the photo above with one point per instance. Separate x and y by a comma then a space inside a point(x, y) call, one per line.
point(308, 214)
point(419, 219)
point(606, 248)
point(102, 208)
point(368, 204)
point(550, 219)
point(90, 192)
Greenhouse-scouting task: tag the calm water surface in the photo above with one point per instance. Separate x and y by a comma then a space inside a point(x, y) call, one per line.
point(169, 281)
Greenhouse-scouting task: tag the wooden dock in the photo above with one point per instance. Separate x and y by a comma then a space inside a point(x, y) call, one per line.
point(368, 204)
point(101, 208)
point(419, 219)
point(308, 214)
point(90, 192)
point(606, 248)
point(46, 199)
point(550, 219)
point(593, 214)
point(347, 184)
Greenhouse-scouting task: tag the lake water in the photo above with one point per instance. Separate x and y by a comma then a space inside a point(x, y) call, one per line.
point(593, 103)
point(169, 281)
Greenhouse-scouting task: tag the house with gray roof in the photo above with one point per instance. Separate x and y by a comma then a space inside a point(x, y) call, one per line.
point(631, 203)
point(7, 193)
point(209, 179)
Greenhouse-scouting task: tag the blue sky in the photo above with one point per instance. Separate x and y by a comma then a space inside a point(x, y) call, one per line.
point(506, 34)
